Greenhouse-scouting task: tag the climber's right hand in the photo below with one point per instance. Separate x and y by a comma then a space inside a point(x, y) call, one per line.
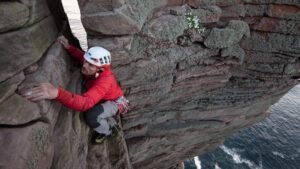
point(64, 41)
point(40, 92)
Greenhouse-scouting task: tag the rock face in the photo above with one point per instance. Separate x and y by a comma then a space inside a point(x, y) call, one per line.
point(188, 90)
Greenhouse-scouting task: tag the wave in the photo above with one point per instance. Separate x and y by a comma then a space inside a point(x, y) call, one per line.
point(197, 162)
point(277, 154)
point(237, 158)
point(217, 166)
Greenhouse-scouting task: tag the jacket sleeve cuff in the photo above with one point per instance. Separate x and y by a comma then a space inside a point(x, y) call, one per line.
point(62, 95)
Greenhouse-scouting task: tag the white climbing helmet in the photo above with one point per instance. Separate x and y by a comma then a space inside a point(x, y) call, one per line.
point(98, 56)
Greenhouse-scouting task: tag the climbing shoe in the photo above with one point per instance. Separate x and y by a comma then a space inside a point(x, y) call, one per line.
point(98, 138)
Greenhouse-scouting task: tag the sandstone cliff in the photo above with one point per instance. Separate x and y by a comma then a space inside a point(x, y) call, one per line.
point(188, 91)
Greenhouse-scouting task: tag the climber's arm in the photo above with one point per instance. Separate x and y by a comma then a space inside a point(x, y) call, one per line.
point(75, 52)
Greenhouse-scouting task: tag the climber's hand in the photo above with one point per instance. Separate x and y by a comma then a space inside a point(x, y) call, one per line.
point(64, 41)
point(41, 91)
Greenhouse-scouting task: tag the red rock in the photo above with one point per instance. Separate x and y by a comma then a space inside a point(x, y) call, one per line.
point(255, 10)
point(8, 87)
point(233, 11)
point(177, 93)
point(282, 10)
point(175, 2)
point(30, 69)
point(252, 20)
point(26, 147)
point(193, 3)
point(113, 43)
point(99, 5)
point(208, 14)
point(13, 15)
point(25, 45)
point(267, 24)
point(18, 110)
point(228, 2)
point(112, 23)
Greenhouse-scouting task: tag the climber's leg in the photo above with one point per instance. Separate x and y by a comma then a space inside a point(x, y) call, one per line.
point(100, 117)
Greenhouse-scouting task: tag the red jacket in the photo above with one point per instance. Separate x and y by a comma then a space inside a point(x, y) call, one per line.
point(104, 87)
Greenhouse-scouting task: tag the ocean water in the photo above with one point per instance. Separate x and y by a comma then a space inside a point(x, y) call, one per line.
point(271, 144)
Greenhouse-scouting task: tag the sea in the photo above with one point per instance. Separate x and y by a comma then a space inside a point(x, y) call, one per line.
point(273, 143)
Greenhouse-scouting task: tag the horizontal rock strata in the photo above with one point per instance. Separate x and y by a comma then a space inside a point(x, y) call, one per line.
point(189, 91)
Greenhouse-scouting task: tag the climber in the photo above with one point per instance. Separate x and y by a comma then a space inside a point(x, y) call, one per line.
point(103, 97)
